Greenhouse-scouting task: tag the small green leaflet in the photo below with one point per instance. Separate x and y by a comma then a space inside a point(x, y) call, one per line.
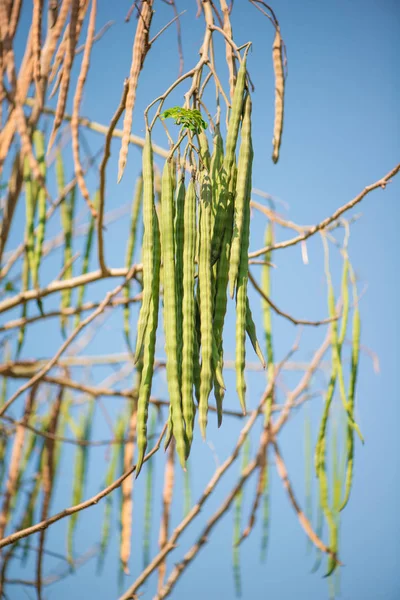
point(189, 118)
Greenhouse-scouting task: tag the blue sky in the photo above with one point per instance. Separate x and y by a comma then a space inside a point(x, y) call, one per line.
point(341, 133)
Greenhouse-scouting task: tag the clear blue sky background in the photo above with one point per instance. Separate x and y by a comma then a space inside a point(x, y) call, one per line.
point(341, 133)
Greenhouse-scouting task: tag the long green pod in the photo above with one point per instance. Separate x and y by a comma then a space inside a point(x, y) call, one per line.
point(267, 318)
point(170, 312)
point(240, 350)
point(223, 263)
point(336, 348)
point(345, 300)
point(231, 141)
point(205, 296)
point(179, 241)
point(242, 196)
point(324, 499)
point(66, 225)
point(81, 463)
point(30, 209)
point(196, 355)
point(188, 310)
point(221, 282)
point(29, 255)
point(3, 436)
point(217, 159)
point(252, 333)
point(129, 254)
point(67, 219)
point(25, 287)
point(205, 157)
point(86, 259)
point(355, 356)
point(148, 241)
point(38, 139)
point(149, 350)
point(241, 296)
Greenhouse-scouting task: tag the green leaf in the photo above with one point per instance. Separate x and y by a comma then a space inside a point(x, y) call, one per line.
point(188, 118)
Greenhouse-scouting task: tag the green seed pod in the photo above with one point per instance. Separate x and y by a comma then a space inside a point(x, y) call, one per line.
point(188, 309)
point(130, 251)
point(205, 295)
point(242, 196)
point(148, 241)
point(170, 312)
point(179, 242)
point(67, 220)
point(86, 259)
point(38, 139)
point(149, 497)
point(229, 158)
point(355, 357)
point(81, 463)
point(241, 299)
point(266, 285)
point(149, 350)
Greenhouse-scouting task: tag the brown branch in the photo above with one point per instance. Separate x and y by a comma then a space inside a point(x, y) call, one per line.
point(65, 284)
point(102, 191)
point(96, 37)
point(286, 315)
point(103, 129)
point(259, 492)
point(17, 323)
point(381, 183)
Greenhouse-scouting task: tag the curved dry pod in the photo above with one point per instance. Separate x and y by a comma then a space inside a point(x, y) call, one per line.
point(277, 60)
